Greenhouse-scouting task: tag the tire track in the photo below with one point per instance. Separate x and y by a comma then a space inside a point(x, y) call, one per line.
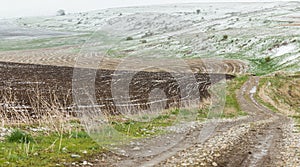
point(263, 145)
point(255, 140)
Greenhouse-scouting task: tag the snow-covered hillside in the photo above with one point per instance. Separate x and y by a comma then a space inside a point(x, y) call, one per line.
point(264, 34)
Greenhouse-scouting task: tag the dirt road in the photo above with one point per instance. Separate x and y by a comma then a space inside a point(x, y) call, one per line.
point(263, 138)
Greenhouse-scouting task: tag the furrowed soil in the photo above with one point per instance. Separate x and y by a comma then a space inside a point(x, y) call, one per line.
point(24, 83)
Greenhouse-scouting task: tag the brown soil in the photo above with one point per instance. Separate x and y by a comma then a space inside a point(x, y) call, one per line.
point(292, 25)
point(65, 56)
point(27, 82)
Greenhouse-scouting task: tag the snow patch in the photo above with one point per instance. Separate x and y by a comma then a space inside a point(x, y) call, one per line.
point(289, 59)
point(282, 50)
point(253, 90)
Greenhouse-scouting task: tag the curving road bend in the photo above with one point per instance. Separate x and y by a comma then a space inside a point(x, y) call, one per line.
point(259, 140)
point(264, 144)
point(263, 138)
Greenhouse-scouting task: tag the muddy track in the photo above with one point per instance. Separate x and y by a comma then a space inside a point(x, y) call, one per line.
point(263, 145)
point(255, 140)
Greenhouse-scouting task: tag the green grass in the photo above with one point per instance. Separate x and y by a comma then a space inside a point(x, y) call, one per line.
point(7, 45)
point(232, 107)
point(155, 126)
point(19, 136)
point(143, 129)
point(263, 66)
point(48, 150)
point(262, 82)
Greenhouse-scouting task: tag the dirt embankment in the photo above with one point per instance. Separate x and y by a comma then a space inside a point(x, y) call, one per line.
point(283, 92)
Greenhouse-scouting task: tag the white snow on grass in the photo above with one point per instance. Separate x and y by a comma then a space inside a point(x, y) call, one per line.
point(289, 59)
point(282, 50)
point(244, 31)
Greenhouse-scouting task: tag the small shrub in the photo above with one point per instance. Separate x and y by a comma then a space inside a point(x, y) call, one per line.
point(198, 11)
point(19, 136)
point(144, 41)
point(268, 59)
point(129, 38)
point(225, 37)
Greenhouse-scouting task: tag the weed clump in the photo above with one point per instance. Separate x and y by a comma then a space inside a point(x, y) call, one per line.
point(225, 37)
point(129, 38)
point(267, 59)
point(19, 136)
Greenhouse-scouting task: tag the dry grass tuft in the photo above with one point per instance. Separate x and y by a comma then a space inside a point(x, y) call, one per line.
point(49, 112)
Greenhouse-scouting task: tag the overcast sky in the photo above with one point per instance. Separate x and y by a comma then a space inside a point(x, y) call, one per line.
point(22, 8)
